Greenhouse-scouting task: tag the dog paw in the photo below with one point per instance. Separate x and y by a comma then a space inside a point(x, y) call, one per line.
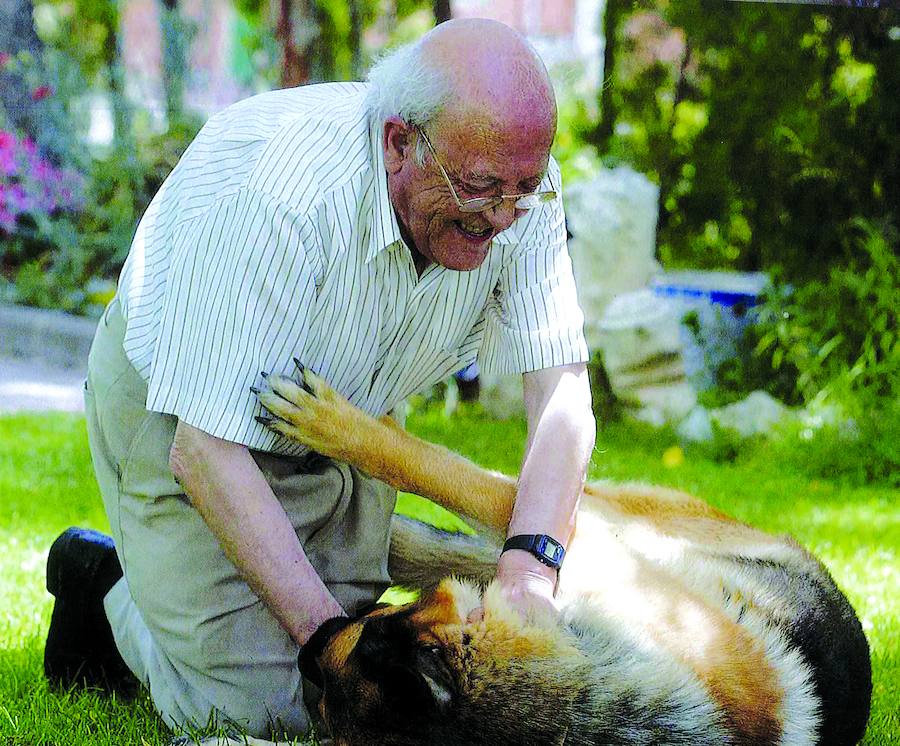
point(307, 410)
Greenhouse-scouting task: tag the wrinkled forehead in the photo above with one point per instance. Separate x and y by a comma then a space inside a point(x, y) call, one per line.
point(508, 156)
point(478, 124)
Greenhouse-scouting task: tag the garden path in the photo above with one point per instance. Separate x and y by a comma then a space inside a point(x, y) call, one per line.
point(28, 385)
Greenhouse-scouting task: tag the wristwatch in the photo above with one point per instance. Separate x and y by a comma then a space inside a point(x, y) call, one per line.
point(547, 549)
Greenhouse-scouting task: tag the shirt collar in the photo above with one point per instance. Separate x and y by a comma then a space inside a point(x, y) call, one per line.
point(385, 229)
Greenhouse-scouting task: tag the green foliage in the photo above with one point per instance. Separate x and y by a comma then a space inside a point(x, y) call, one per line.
point(69, 261)
point(830, 344)
point(84, 30)
point(841, 334)
point(769, 128)
point(327, 32)
point(863, 450)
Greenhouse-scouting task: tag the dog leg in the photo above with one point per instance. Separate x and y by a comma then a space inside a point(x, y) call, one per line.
point(422, 555)
point(310, 412)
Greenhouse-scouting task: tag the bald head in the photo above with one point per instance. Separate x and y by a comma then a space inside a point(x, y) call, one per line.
point(492, 73)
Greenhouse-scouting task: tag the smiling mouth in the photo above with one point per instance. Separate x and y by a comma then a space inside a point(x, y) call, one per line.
point(473, 235)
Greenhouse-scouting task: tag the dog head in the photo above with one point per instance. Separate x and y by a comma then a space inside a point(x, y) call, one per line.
point(423, 674)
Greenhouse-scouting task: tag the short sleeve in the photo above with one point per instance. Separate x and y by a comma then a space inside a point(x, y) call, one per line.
point(533, 320)
point(240, 291)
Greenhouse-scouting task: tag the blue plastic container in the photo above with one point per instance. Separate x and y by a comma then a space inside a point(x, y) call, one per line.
point(723, 303)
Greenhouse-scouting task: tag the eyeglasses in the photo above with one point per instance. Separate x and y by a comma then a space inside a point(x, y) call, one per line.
point(481, 204)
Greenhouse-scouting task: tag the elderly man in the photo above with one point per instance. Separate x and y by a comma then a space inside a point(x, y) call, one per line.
point(385, 234)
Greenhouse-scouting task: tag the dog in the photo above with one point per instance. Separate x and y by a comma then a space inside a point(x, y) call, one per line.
point(677, 623)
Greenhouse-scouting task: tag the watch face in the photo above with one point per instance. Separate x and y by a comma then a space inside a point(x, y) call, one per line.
point(550, 549)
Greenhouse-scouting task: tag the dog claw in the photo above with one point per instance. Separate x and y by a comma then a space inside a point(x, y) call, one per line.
point(301, 369)
point(254, 390)
point(264, 374)
point(267, 421)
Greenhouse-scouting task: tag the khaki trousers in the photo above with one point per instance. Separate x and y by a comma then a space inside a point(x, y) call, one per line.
point(184, 620)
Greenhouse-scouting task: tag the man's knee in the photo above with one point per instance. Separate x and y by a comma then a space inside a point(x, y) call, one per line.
point(263, 710)
point(267, 714)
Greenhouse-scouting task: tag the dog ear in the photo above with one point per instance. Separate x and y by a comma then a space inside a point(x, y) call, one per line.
point(414, 680)
point(422, 689)
point(308, 660)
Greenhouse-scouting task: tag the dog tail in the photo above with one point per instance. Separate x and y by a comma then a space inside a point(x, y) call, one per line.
point(422, 555)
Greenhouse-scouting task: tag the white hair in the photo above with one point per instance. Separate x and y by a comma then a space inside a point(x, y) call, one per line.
point(403, 84)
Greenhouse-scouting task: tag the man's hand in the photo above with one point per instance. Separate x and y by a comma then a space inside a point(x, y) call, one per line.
point(526, 583)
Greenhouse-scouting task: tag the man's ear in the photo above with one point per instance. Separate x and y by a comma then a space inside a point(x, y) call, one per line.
point(396, 142)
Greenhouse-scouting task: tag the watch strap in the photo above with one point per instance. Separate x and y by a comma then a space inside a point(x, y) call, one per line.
point(545, 548)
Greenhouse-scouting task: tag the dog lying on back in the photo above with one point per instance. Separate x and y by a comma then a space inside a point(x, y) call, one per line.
point(679, 625)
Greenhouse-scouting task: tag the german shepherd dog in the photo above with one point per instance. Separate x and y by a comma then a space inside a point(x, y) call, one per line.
point(678, 624)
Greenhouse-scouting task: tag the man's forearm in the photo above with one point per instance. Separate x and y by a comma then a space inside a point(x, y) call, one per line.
point(561, 439)
point(229, 491)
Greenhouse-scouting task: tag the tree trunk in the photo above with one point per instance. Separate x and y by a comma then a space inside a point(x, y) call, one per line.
point(604, 131)
point(442, 11)
point(294, 61)
point(176, 41)
point(121, 109)
point(355, 40)
point(669, 168)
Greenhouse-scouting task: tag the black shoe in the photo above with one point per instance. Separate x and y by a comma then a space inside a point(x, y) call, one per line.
point(81, 568)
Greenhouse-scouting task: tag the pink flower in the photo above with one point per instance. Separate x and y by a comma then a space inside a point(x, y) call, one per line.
point(8, 165)
point(40, 170)
point(7, 221)
point(18, 200)
point(4, 58)
point(41, 92)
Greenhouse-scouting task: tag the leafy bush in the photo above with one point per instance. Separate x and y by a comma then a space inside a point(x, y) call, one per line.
point(39, 204)
point(862, 449)
point(754, 175)
point(830, 344)
point(66, 235)
point(841, 334)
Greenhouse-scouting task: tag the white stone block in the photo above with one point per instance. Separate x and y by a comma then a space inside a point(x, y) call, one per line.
point(612, 219)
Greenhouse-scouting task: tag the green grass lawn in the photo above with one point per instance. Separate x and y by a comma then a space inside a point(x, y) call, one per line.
point(46, 485)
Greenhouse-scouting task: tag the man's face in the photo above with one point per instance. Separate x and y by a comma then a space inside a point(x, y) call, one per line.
point(481, 161)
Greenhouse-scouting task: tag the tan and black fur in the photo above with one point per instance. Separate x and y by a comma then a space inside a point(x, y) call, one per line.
point(679, 625)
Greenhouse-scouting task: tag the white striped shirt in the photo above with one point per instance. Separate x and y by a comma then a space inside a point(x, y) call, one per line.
point(274, 238)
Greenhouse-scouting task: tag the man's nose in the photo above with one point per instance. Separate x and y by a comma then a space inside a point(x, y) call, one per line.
point(503, 215)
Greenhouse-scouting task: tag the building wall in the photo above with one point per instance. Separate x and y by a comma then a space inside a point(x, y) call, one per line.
point(560, 30)
point(209, 84)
